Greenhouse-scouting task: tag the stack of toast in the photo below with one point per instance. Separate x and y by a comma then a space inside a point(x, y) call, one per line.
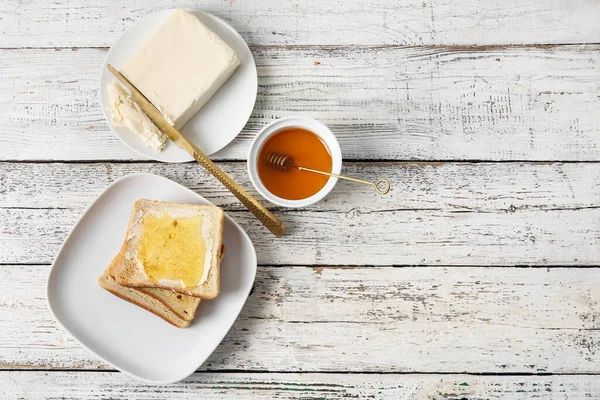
point(170, 259)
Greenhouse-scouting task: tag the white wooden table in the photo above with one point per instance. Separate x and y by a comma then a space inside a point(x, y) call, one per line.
point(477, 277)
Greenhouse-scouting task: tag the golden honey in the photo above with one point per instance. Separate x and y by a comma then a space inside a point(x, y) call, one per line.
point(172, 248)
point(307, 150)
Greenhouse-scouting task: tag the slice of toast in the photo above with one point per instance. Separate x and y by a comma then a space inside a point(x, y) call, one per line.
point(175, 308)
point(132, 272)
point(143, 300)
point(140, 299)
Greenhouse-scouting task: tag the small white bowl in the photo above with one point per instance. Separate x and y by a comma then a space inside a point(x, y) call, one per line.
point(310, 124)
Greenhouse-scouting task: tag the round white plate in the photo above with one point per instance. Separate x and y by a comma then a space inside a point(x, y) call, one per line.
point(220, 120)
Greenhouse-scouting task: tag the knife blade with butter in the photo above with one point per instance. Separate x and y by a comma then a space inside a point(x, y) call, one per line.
point(273, 223)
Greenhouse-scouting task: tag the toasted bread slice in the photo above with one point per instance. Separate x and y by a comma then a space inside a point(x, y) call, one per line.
point(142, 300)
point(150, 214)
point(175, 308)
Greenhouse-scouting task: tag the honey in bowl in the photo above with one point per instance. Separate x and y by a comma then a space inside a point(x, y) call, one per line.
point(307, 150)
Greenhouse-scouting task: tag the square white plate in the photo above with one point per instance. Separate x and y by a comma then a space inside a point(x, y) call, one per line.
point(120, 333)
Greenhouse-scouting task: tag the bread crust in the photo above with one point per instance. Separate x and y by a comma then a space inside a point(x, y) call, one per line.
point(163, 312)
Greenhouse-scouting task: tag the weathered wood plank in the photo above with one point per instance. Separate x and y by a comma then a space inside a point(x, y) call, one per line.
point(437, 214)
point(285, 22)
point(383, 237)
point(442, 186)
point(382, 103)
point(100, 385)
point(421, 319)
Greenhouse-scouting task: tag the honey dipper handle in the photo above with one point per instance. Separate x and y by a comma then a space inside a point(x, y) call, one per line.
point(382, 185)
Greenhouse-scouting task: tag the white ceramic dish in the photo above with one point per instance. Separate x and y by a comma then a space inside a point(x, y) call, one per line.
point(220, 120)
point(299, 122)
point(122, 334)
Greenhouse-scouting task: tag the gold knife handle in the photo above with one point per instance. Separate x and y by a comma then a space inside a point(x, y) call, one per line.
point(273, 223)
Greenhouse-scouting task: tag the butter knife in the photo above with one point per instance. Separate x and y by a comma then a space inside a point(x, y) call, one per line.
point(273, 223)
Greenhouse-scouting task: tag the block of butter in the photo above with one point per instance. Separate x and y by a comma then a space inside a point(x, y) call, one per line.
point(181, 66)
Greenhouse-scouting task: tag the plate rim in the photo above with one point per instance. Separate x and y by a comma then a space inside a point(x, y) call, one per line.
point(188, 157)
point(62, 246)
